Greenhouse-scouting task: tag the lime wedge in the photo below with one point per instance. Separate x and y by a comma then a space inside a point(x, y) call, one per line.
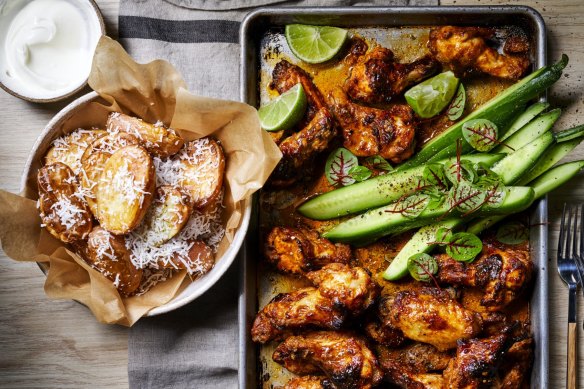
point(284, 111)
point(430, 97)
point(315, 44)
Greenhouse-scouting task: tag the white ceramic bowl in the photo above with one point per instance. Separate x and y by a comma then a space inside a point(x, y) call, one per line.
point(66, 121)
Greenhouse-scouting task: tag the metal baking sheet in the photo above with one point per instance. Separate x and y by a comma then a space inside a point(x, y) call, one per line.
point(253, 28)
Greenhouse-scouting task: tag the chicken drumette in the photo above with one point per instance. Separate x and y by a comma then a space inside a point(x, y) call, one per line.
point(501, 271)
point(376, 76)
point(370, 131)
point(343, 357)
point(299, 250)
point(465, 49)
point(309, 382)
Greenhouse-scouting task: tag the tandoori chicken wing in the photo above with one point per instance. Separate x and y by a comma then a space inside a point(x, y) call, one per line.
point(432, 316)
point(377, 77)
point(368, 131)
point(514, 371)
point(350, 287)
point(291, 312)
point(465, 49)
point(309, 382)
point(299, 250)
point(343, 357)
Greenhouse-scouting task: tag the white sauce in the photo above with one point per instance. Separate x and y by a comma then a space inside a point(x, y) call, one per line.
point(46, 45)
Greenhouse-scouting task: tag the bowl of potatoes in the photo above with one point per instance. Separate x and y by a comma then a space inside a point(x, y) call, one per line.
point(135, 200)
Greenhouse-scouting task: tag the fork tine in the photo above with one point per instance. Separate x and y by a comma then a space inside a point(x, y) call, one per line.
point(561, 244)
point(575, 233)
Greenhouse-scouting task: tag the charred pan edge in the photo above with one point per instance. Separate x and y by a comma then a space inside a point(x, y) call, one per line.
point(256, 24)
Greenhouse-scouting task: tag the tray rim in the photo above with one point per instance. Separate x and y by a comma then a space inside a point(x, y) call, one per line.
point(539, 213)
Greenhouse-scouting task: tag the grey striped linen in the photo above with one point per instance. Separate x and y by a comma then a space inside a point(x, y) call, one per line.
point(196, 346)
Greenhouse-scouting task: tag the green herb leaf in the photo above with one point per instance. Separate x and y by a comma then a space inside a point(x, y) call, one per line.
point(338, 165)
point(466, 197)
point(512, 233)
point(481, 134)
point(377, 162)
point(464, 246)
point(443, 235)
point(360, 173)
point(434, 175)
point(456, 108)
point(458, 172)
point(422, 267)
point(410, 206)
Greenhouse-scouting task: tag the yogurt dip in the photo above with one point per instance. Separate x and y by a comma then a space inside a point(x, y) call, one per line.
point(46, 46)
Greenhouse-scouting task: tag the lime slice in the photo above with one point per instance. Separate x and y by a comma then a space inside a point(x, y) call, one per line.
point(315, 44)
point(430, 97)
point(284, 111)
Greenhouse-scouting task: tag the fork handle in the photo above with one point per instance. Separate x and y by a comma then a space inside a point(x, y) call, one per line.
point(572, 336)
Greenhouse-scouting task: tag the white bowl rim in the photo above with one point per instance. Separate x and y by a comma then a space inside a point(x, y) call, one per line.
point(197, 287)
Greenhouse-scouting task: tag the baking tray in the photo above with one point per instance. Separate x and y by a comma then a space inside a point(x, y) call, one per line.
point(257, 23)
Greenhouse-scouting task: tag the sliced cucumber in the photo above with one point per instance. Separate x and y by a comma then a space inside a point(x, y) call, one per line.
point(525, 117)
point(529, 132)
point(421, 242)
point(383, 221)
point(569, 134)
point(375, 192)
point(555, 178)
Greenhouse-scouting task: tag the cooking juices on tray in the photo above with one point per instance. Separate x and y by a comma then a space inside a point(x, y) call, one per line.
point(334, 217)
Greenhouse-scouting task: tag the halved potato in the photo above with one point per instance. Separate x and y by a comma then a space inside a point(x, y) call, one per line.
point(125, 189)
point(156, 138)
point(198, 261)
point(69, 149)
point(167, 215)
point(63, 211)
point(201, 165)
point(94, 159)
point(107, 253)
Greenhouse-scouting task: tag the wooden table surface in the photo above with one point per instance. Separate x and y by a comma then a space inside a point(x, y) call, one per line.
point(58, 344)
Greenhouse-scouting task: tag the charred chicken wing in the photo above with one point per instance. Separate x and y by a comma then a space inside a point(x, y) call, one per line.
point(309, 382)
point(344, 358)
point(370, 131)
point(501, 271)
point(299, 250)
point(465, 49)
point(432, 316)
point(514, 371)
point(295, 311)
point(376, 76)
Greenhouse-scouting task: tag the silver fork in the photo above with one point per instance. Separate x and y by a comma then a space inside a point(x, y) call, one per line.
point(567, 267)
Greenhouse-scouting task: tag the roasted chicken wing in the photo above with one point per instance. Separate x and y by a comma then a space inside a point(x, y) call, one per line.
point(377, 77)
point(466, 49)
point(370, 131)
point(432, 316)
point(343, 357)
point(309, 382)
point(514, 371)
point(291, 312)
point(318, 130)
point(349, 287)
point(501, 271)
point(299, 250)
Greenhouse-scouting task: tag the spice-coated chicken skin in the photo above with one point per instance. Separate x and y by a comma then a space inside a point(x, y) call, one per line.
point(432, 316)
point(350, 287)
point(465, 49)
point(376, 76)
point(291, 312)
point(514, 370)
point(368, 131)
point(299, 250)
point(477, 362)
point(309, 382)
point(343, 357)
point(501, 271)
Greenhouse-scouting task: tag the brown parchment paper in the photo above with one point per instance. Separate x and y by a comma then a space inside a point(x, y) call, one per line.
point(153, 91)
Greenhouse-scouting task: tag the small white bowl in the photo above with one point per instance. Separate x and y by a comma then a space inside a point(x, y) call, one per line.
point(94, 21)
point(66, 121)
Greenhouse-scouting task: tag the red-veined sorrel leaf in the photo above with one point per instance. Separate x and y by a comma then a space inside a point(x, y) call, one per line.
point(456, 108)
point(422, 267)
point(360, 173)
point(434, 175)
point(512, 233)
point(466, 197)
point(338, 165)
point(481, 134)
point(377, 162)
point(460, 171)
point(410, 206)
point(495, 195)
point(463, 246)
point(443, 235)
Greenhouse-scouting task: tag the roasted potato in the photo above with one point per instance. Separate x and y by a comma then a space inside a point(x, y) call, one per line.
point(107, 253)
point(63, 210)
point(69, 149)
point(200, 170)
point(198, 261)
point(167, 215)
point(94, 159)
point(125, 189)
point(156, 138)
